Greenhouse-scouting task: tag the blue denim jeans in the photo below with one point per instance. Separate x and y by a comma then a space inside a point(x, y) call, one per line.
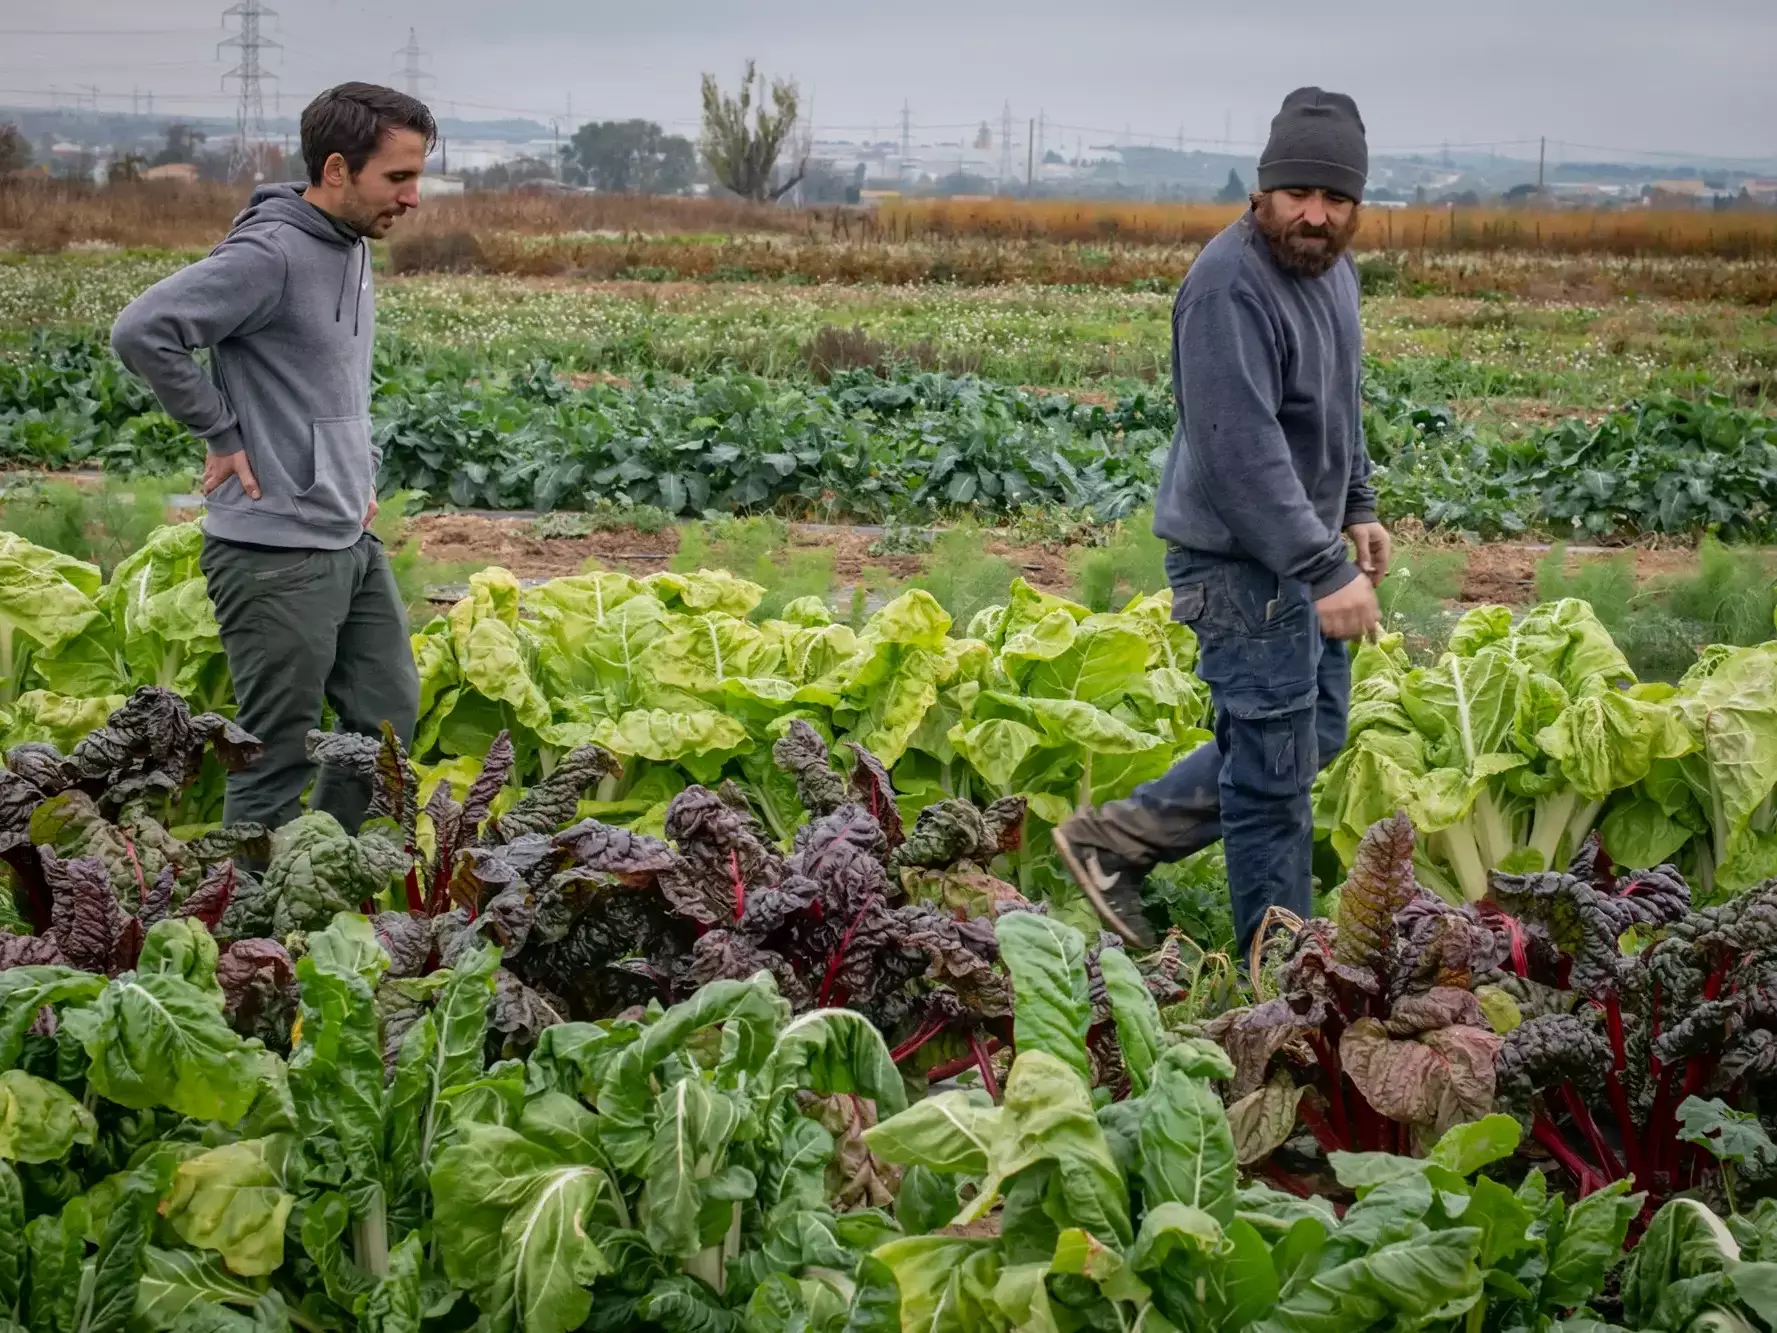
point(1281, 690)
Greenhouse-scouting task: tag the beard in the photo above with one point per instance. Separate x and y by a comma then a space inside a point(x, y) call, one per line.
point(1301, 249)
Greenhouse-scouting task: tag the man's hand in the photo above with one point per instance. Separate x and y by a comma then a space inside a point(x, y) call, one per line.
point(1351, 612)
point(370, 514)
point(218, 468)
point(1374, 547)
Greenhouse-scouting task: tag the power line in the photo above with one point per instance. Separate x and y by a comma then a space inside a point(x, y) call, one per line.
point(89, 95)
point(1687, 155)
point(100, 32)
point(249, 120)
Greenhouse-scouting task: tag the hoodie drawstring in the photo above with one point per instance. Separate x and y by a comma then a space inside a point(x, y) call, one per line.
point(358, 301)
point(339, 305)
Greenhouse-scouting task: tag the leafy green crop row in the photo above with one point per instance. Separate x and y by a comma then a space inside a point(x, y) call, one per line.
point(861, 445)
point(1507, 751)
point(250, 1107)
point(465, 432)
point(691, 1169)
point(1666, 464)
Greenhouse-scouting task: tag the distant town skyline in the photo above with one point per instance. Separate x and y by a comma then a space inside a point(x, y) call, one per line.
point(1599, 78)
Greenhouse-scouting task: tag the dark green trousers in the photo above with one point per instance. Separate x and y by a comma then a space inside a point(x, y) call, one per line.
point(300, 627)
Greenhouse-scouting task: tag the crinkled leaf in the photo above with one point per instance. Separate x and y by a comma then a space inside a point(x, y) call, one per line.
point(1137, 1016)
point(514, 1218)
point(1439, 1079)
point(232, 1200)
point(1380, 884)
point(1052, 1013)
point(39, 1120)
point(948, 1131)
point(1187, 1147)
point(1046, 1116)
point(1262, 1120)
point(158, 1040)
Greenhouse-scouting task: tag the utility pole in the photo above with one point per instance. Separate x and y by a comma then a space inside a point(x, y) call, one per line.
point(249, 116)
point(1542, 154)
point(411, 72)
point(92, 95)
point(1005, 145)
point(906, 137)
point(1030, 157)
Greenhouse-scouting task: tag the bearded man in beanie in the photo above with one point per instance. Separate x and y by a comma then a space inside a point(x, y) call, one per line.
point(1267, 478)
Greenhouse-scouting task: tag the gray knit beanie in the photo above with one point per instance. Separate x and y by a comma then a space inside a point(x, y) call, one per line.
point(1317, 142)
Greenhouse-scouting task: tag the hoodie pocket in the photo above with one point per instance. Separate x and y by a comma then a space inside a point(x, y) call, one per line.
point(339, 491)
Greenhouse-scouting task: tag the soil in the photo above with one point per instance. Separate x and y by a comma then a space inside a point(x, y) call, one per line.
point(1524, 412)
point(474, 539)
point(1506, 572)
point(1090, 397)
point(1496, 572)
point(587, 380)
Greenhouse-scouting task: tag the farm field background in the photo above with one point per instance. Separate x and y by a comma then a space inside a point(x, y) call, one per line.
point(1521, 391)
point(766, 625)
point(1497, 347)
point(852, 439)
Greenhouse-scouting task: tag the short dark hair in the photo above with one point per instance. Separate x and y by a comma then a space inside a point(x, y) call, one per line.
point(352, 119)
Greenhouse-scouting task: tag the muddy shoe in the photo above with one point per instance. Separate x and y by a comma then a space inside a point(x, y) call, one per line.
point(1111, 884)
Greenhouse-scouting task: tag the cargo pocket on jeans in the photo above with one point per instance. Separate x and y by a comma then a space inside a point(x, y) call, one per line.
point(1279, 762)
point(1266, 667)
point(1187, 603)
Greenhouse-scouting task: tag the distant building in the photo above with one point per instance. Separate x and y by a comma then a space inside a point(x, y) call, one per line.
point(183, 173)
point(440, 187)
point(1690, 188)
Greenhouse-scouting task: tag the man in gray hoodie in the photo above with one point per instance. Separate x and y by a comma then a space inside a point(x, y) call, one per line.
point(303, 593)
point(1267, 478)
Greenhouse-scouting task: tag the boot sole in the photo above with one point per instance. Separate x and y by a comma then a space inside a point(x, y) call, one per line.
point(1076, 869)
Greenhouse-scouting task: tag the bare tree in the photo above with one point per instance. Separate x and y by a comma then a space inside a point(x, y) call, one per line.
point(15, 152)
point(742, 156)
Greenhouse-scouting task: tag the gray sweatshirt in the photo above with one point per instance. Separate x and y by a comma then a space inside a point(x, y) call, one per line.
point(286, 307)
point(1268, 460)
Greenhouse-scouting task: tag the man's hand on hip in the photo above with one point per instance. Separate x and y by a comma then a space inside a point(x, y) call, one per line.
point(1374, 547)
point(218, 468)
point(1351, 612)
point(370, 513)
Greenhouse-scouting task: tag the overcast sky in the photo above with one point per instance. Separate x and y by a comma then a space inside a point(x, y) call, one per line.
point(1615, 74)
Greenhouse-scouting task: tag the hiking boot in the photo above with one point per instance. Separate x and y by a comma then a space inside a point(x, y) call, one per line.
point(1111, 883)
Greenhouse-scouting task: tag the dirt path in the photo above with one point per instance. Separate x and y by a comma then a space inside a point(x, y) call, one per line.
point(1506, 572)
point(471, 539)
point(1495, 572)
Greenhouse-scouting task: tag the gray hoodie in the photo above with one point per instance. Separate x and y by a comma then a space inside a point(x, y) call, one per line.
point(286, 307)
point(1268, 462)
